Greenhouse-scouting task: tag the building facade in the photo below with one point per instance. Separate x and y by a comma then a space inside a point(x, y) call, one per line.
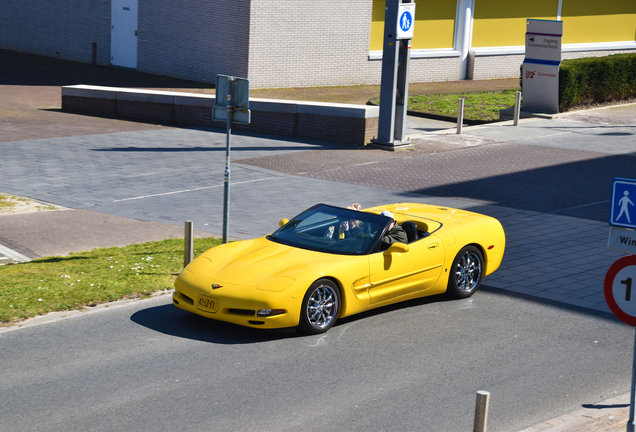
point(301, 43)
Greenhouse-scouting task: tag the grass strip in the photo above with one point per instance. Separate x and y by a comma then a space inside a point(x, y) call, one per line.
point(482, 106)
point(7, 202)
point(89, 278)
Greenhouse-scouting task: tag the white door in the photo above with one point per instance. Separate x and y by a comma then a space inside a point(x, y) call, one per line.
point(123, 33)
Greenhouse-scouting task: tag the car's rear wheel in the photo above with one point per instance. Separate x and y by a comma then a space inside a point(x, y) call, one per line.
point(466, 273)
point(320, 308)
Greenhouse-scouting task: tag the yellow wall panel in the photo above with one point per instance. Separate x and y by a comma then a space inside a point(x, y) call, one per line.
point(594, 21)
point(503, 22)
point(434, 24)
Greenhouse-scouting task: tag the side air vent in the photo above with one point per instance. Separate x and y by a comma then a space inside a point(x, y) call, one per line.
point(242, 312)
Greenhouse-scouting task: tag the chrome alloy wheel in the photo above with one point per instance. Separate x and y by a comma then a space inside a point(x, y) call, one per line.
point(322, 306)
point(468, 272)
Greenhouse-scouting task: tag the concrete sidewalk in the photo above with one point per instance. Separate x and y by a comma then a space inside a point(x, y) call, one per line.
point(547, 181)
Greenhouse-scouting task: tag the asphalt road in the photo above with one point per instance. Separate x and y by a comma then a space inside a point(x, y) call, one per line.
point(413, 367)
point(537, 336)
point(148, 366)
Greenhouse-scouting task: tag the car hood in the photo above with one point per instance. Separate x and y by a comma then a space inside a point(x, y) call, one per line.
point(252, 262)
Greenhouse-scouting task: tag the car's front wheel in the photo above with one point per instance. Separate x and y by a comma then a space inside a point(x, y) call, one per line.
point(466, 273)
point(320, 308)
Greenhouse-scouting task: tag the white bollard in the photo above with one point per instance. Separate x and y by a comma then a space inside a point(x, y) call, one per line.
point(517, 107)
point(460, 116)
point(189, 243)
point(481, 411)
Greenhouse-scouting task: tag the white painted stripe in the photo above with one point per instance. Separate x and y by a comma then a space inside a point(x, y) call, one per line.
point(195, 189)
point(15, 256)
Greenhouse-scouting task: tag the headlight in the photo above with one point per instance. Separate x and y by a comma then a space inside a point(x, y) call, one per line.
point(269, 312)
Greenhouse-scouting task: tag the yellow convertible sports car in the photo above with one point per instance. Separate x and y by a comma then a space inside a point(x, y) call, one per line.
point(330, 262)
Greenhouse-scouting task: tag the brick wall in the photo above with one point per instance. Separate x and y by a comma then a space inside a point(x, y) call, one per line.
point(310, 43)
point(323, 43)
point(274, 43)
point(64, 29)
point(194, 39)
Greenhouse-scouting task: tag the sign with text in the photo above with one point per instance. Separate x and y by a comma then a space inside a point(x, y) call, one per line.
point(540, 87)
point(540, 78)
point(543, 40)
point(622, 240)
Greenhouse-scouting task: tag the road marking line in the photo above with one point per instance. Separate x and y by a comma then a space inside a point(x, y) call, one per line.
point(195, 189)
point(581, 206)
point(15, 256)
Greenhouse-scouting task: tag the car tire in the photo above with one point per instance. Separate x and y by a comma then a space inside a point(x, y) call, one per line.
point(320, 308)
point(466, 273)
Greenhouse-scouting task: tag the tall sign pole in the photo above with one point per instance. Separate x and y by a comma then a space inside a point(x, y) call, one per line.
point(231, 106)
point(399, 20)
point(620, 281)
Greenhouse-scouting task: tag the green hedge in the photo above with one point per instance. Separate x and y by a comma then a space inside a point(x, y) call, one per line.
point(596, 79)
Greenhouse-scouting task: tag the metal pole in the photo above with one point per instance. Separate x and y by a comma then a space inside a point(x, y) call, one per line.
point(460, 116)
point(517, 107)
point(481, 411)
point(226, 185)
point(630, 423)
point(189, 246)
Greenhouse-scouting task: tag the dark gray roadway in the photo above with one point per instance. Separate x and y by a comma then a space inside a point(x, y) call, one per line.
point(412, 367)
point(149, 366)
point(538, 337)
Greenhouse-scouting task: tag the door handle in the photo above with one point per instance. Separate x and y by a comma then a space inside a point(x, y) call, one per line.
point(433, 245)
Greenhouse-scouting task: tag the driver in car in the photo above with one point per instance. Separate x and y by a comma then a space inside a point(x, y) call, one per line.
point(395, 233)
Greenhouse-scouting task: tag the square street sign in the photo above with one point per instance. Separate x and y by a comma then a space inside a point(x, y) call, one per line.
point(406, 21)
point(232, 94)
point(623, 210)
point(232, 91)
point(239, 115)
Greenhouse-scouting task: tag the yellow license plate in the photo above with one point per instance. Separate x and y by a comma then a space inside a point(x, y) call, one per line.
point(208, 304)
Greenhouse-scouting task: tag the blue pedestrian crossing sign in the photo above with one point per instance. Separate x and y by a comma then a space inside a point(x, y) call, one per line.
point(623, 211)
point(406, 21)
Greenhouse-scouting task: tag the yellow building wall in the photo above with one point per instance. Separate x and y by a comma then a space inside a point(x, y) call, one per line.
point(503, 22)
point(434, 24)
point(598, 21)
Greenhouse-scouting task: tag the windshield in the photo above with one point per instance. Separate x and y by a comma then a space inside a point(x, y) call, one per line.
point(330, 229)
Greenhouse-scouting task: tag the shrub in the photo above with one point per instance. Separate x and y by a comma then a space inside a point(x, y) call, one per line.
point(596, 79)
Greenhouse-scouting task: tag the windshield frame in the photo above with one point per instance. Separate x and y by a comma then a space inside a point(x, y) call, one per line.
point(339, 213)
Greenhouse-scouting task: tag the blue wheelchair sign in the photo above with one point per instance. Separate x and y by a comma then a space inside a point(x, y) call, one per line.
point(623, 211)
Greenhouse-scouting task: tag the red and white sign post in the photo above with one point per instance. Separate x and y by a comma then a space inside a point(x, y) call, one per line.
point(620, 295)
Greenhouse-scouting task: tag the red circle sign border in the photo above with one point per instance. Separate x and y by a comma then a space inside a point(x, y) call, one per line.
point(619, 265)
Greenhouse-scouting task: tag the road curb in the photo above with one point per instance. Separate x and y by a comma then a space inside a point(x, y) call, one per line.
point(612, 415)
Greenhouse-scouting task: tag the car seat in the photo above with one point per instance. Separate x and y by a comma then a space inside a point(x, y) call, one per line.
point(411, 231)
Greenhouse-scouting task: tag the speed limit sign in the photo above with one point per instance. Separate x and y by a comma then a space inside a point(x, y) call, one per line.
point(620, 289)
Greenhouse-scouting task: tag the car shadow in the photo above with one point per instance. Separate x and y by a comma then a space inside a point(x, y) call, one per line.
point(172, 321)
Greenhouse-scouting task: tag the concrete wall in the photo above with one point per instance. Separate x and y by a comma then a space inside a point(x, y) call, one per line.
point(343, 123)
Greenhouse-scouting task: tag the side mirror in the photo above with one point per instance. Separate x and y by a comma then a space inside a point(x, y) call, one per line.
point(283, 222)
point(397, 248)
